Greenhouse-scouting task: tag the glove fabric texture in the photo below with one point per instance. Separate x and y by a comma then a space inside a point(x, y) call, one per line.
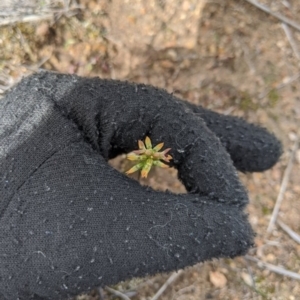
point(70, 222)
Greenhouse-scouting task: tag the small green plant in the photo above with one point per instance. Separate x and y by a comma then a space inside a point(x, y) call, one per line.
point(148, 157)
point(273, 97)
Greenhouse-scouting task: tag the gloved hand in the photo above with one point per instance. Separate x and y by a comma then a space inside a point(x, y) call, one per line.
point(70, 222)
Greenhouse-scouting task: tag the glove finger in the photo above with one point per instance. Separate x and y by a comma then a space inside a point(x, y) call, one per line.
point(114, 115)
point(82, 224)
point(251, 147)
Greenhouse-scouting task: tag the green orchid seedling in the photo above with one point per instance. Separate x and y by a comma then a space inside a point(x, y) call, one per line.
point(148, 157)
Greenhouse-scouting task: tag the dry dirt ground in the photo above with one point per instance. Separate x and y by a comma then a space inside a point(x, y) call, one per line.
point(226, 55)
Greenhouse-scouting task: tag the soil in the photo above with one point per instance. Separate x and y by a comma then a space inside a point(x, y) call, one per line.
point(225, 55)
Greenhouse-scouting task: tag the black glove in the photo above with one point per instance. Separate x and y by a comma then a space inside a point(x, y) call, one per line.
point(70, 222)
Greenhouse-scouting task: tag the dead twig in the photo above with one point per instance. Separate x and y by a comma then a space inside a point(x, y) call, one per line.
point(295, 236)
point(45, 14)
point(184, 290)
point(291, 40)
point(283, 186)
point(251, 274)
point(100, 293)
point(274, 14)
point(24, 19)
point(273, 268)
point(117, 293)
point(173, 277)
